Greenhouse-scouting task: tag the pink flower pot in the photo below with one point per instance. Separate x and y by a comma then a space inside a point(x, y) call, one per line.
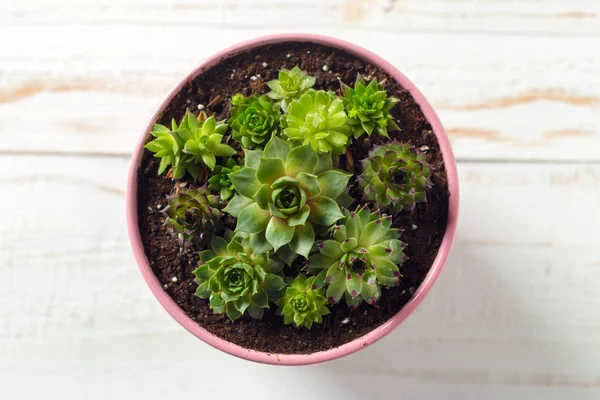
point(357, 344)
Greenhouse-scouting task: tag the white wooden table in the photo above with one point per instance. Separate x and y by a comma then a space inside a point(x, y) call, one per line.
point(516, 313)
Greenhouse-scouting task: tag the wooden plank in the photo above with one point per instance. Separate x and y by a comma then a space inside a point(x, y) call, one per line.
point(514, 315)
point(579, 17)
point(90, 88)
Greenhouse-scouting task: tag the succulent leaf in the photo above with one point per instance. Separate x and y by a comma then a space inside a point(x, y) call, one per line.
point(318, 118)
point(363, 255)
point(302, 304)
point(220, 181)
point(193, 215)
point(290, 85)
point(253, 120)
point(395, 176)
point(236, 280)
point(368, 108)
point(190, 145)
point(283, 198)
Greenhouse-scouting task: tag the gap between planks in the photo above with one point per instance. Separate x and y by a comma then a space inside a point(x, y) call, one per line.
point(459, 160)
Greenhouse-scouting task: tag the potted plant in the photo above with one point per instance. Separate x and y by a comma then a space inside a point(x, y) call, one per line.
point(292, 199)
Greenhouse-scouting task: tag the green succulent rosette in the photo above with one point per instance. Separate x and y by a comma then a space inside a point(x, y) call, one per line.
point(395, 176)
point(318, 119)
point(187, 147)
point(368, 108)
point(193, 215)
point(302, 304)
point(253, 120)
point(220, 181)
point(284, 193)
point(362, 256)
point(236, 280)
point(289, 86)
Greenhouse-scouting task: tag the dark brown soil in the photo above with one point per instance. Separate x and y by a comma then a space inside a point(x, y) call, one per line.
point(423, 229)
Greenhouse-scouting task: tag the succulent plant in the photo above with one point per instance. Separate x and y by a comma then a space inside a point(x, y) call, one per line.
point(368, 108)
point(196, 141)
point(302, 304)
point(395, 176)
point(236, 280)
point(290, 86)
point(193, 214)
point(220, 181)
point(318, 118)
point(283, 192)
point(362, 255)
point(253, 120)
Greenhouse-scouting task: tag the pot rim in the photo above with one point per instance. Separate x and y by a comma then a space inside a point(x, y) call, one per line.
point(295, 359)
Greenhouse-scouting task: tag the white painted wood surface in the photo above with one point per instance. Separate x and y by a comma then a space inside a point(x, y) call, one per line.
point(516, 314)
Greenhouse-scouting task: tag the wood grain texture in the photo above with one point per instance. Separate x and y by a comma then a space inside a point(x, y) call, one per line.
point(93, 71)
point(514, 315)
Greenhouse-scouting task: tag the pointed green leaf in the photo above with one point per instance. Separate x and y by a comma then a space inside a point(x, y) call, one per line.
point(324, 163)
point(279, 233)
point(219, 246)
point(301, 159)
point(164, 164)
point(209, 159)
point(344, 200)
point(286, 254)
point(223, 150)
point(300, 217)
point(203, 291)
point(273, 283)
point(335, 291)
point(259, 243)
point(203, 272)
point(352, 303)
point(242, 303)
point(252, 158)
point(216, 301)
point(353, 285)
point(320, 261)
point(253, 219)
point(245, 182)
point(331, 249)
point(269, 170)
point(370, 293)
point(310, 183)
point(374, 231)
point(303, 240)
point(298, 319)
point(277, 148)
point(319, 279)
point(255, 311)
point(234, 247)
point(237, 204)
point(262, 197)
point(324, 211)
point(208, 127)
point(386, 268)
point(349, 244)
point(353, 225)
point(232, 312)
point(260, 298)
point(333, 183)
